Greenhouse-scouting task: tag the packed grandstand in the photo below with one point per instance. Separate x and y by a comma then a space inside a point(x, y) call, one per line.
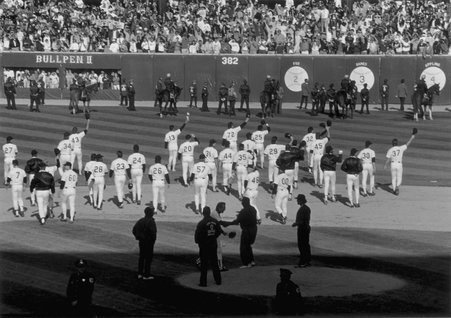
point(220, 26)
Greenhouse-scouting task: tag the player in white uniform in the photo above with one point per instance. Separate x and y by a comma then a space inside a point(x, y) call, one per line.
point(241, 160)
point(158, 173)
point(226, 159)
point(394, 156)
point(99, 169)
point(137, 163)
point(68, 184)
point(119, 168)
point(211, 158)
point(75, 138)
point(186, 152)
point(282, 190)
point(9, 154)
point(258, 137)
point(368, 158)
point(170, 143)
point(17, 178)
point(309, 139)
point(318, 150)
point(251, 185)
point(200, 175)
point(64, 151)
point(272, 151)
point(88, 172)
point(251, 147)
point(231, 134)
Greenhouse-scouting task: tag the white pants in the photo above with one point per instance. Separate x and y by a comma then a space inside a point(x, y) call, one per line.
point(8, 164)
point(158, 194)
point(330, 179)
point(273, 171)
point(97, 189)
point(241, 174)
point(42, 198)
point(172, 159)
point(187, 168)
point(17, 190)
point(353, 180)
point(367, 171)
point(396, 174)
point(119, 182)
point(77, 154)
point(137, 178)
point(233, 146)
point(296, 171)
point(290, 174)
point(309, 157)
point(252, 195)
point(226, 173)
point(68, 196)
point(63, 159)
point(214, 174)
point(200, 192)
point(317, 172)
point(260, 153)
point(32, 194)
point(282, 202)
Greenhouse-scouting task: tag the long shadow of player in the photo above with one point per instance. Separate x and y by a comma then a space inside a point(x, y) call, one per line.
point(384, 186)
point(318, 195)
point(266, 187)
point(191, 205)
point(273, 216)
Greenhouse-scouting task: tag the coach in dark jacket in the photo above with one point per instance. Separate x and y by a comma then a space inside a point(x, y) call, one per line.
point(44, 184)
point(145, 231)
point(303, 224)
point(329, 166)
point(10, 93)
point(131, 96)
point(353, 167)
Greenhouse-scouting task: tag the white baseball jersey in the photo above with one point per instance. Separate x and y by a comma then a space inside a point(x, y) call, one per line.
point(89, 165)
point(171, 138)
point(119, 166)
point(259, 136)
point(158, 172)
point(231, 134)
point(99, 169)
point(136, 160)
point(253, 180)
point(70, 178)
point(16, 175)
point(242, 158)
point(283, 181)
point(51, 169)
point(187, 148)
point(210, 154)
point(75, 139)
point(319, 146)
point(249, 145)
point(309, 139)
point(367, 155)
point(226, 156)
point(65, 147)
point(273, 151)
point(10, 151)
point(201, 170)
point(395, 153)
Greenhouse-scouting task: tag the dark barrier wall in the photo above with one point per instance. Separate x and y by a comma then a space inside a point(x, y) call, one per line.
point(216, 69)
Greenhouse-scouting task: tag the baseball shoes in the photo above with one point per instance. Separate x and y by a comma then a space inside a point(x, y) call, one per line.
point(164, 209)
point(357, 205)
point(253, 264)
point(138, 202)
point(284, 220)
point(364, 194)
point(16, 213)
point(22, 213)
point(140, 276)
point(371, 194)
point(63, 220)
point(333, 199)
point(397, 191)
point(71, 221)
point(33, 203)
point(121, 205)
point(246, 266)
point(42, 221)
point(325, 202)
point(148, 278)
point(295, 184)
point(351, 205)
point(320, 186)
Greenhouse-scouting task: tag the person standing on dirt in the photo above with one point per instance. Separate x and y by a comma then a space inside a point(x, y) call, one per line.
point(303, 224)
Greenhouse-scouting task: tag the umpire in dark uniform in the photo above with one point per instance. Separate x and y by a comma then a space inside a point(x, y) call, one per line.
point(245, 91)
point(131, 96)
point(288, 295)
point(204, 95)
point(247, 219)
point(207, 231)
point(80, 288)
point(145, 231)
point(303, 224)
point(10, 93)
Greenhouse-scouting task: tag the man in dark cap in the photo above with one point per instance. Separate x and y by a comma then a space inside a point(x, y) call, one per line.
point(207, 232)
point(131, 96)
point(329, 166)
point(353, 167)
point(245, 91)
point(31, 168)
point(303, 224)
point(145, 231)
point(44, 184)
point(10, 93)
point(288, 295)
point(222, 95)
point(80, 288)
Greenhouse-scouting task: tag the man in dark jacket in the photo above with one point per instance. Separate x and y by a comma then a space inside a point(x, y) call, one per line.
point(145, 231)
point(10, 93)
point(131, 96)
point(222, 95)
point(159, 94)
point(80, 288)
point(303, 224)
point(245, 91)
point(204, 95)
point(329, 166)
point(34, 96)
point(31, 168)
point(44, 184)
point(384, 92)
point(207, 231)
point(74, 95)
point(365, 96)
point(193, 94)
point(353, 167)
point(288, 296)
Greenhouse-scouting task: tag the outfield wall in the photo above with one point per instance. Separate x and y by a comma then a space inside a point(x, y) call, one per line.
point(145, 69)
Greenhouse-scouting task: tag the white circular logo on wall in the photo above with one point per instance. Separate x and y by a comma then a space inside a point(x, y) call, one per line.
point(294, 77)
point(434, 75)
point(362, 75)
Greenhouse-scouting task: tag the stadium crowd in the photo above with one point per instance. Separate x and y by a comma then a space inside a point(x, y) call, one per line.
point(230, 27)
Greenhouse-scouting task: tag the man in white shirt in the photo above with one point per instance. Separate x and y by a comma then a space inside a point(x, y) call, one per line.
point(119, 168)
point(200, 175)
point(231, 134)
point(211, 159)
point(158, 173)
point(368, 158)
point(75, 138)
point(17, 178)
point(99, 169)
point(137, 168)
point(69, 181)
point(241, 160)
point(258, 137)
point(170, 143)
point(9, 153)
point(64, 151)
point(226, 159)
point(186, 152)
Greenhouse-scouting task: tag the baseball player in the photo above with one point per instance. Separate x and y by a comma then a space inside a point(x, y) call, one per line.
point(9, 153)
point(119, 168)
point(240, 162)
point(170, 143)
point(137, 163)
point(75, 138)
point(69, 181)
point(231, 134)
point(329, 167)
point(272, 151)
point(353, 167)
point(368, 158)
point(282, 190)
point(258, 137)
point(31, 168)
point(394, 156)
point(318, 151)
point(250, 146)
point(309, 139)
point(200, 175)
point(186, 152)
point(99, 169)
point(17, 178)
point(158, 173)
point(211, 158)
point(44, 184)
point(226, 159)
point(64, 151)
point(251, 184)
point(88, 171)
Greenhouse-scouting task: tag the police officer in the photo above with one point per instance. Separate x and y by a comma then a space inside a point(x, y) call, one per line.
point(353, 167)
point(159, 94)
point(80, 288)
point(331, 96)
point(207, 232)
point(245, 91)
point(204, 95)
point(124, 93)
point(303, 224)
point(315, 99)
point(32, 168)
point(267, 91)
point(131, 96)
point(34, 97)
point(41, 86)
point(232, 98)
point(384, 92)
point(288, 295)
point(10, 93)
point(365, 96)
point(44, 183)
point(74, 95)
point(193, 94)
point(222, 95)
point(145, 231)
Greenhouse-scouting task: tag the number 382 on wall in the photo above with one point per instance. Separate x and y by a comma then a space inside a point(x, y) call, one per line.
point(229, 60)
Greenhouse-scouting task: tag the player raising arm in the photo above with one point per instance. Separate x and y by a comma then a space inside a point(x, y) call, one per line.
point(170, 143)
point(231, 134)
point(75, 138)
point(258, 137)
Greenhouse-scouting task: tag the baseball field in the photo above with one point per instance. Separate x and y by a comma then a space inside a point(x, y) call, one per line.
point(390, 257)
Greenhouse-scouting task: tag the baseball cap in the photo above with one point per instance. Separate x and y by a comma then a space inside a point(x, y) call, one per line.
point(9, 138)
point(329, 148)
point(201, 156)
point(99, 155)
point(34, 152)
point(301, 198)
point(284, 271)
point(368, 143)
point(66, 134)
point(149, 210)
point(353, 151)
